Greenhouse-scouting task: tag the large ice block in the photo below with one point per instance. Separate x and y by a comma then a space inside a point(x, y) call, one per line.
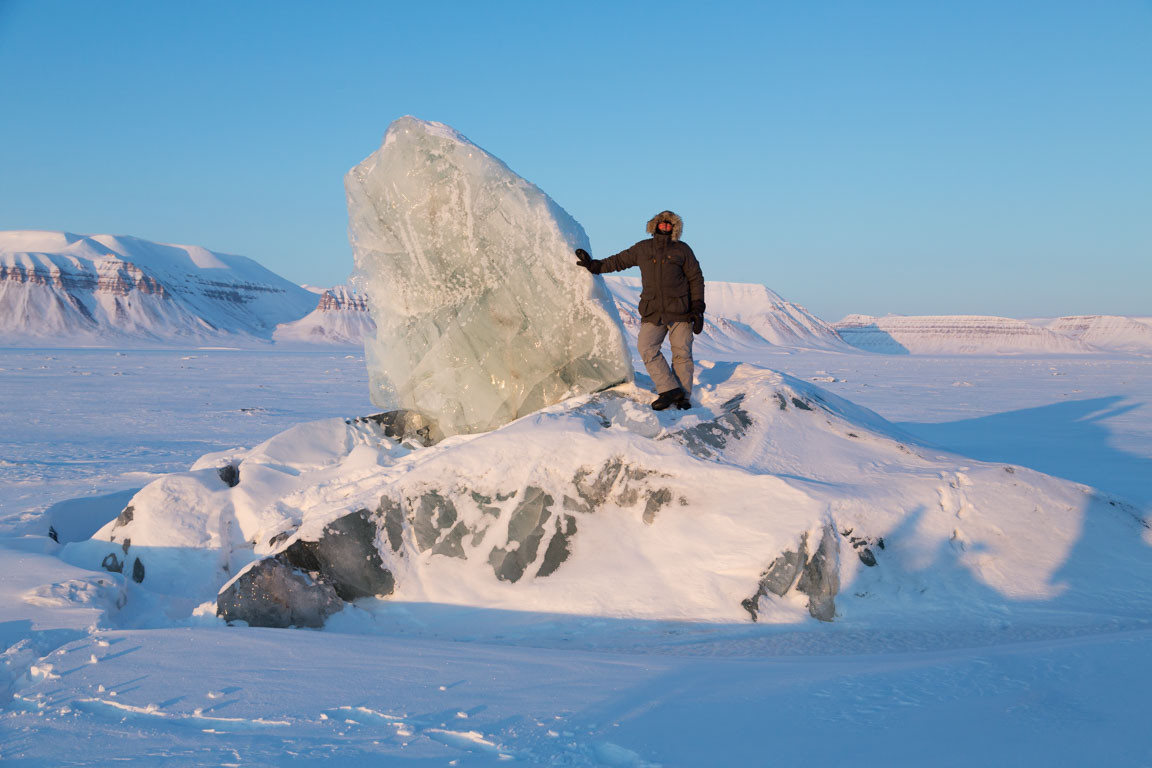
point(482, 315)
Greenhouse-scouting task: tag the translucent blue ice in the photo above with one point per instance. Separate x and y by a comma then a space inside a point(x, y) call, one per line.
point(482, 314)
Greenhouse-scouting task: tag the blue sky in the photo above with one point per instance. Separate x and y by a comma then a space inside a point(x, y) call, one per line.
point(908, 157)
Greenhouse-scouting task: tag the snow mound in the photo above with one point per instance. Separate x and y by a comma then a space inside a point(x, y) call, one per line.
point(772, 501)
point(954, 335)
point(341, 317)
point(62, 286)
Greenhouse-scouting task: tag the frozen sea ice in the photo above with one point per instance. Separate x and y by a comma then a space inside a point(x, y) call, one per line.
point(482, 315)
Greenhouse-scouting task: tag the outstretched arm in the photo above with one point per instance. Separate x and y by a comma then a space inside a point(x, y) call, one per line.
point(623, 260)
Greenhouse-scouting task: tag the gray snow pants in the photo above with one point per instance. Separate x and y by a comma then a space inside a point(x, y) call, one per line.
point(648, 343)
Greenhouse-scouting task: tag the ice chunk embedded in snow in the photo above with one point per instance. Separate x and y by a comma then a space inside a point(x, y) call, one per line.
point(482, 314)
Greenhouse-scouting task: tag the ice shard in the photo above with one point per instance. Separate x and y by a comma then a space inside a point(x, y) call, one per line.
point(482, 315)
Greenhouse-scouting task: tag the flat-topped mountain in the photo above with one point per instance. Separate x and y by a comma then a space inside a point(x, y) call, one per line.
point(955, 335)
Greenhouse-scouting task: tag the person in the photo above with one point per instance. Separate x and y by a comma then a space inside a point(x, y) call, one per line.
point(671, 304)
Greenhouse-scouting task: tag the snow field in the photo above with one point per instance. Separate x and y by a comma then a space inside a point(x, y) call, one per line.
point(282, 697)
point(1054, 673)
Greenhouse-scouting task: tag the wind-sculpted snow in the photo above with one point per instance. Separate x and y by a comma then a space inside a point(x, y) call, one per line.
point(772, 501)
point(482, 315)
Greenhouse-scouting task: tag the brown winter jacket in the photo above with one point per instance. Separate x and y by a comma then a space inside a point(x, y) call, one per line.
point(672, 284)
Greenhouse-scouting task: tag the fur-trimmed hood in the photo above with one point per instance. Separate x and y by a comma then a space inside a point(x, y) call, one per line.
point(677, 223)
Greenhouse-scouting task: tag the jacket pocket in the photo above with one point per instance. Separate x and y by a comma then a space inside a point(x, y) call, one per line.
point(679, 305)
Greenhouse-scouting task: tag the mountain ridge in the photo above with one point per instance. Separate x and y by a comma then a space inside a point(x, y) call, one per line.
point(61, 288)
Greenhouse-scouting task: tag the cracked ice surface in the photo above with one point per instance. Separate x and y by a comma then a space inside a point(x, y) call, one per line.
point(482, 315)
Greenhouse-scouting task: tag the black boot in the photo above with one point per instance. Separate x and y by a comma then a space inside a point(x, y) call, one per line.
point(666, 399)
point(684, 403)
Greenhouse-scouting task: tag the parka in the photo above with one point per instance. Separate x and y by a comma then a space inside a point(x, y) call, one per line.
point(672, 283)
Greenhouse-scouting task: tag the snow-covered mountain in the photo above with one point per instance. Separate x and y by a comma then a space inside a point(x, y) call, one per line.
point(1110, 332)
point(740, 316)
point(341, 317)
point(955, 335)
point(62, 288)
point(58, 286)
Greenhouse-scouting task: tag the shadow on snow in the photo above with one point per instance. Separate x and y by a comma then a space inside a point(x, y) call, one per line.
point(1067, 439)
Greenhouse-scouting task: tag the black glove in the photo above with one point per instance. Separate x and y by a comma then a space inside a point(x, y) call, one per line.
point(583, 259)
point(698, 316)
